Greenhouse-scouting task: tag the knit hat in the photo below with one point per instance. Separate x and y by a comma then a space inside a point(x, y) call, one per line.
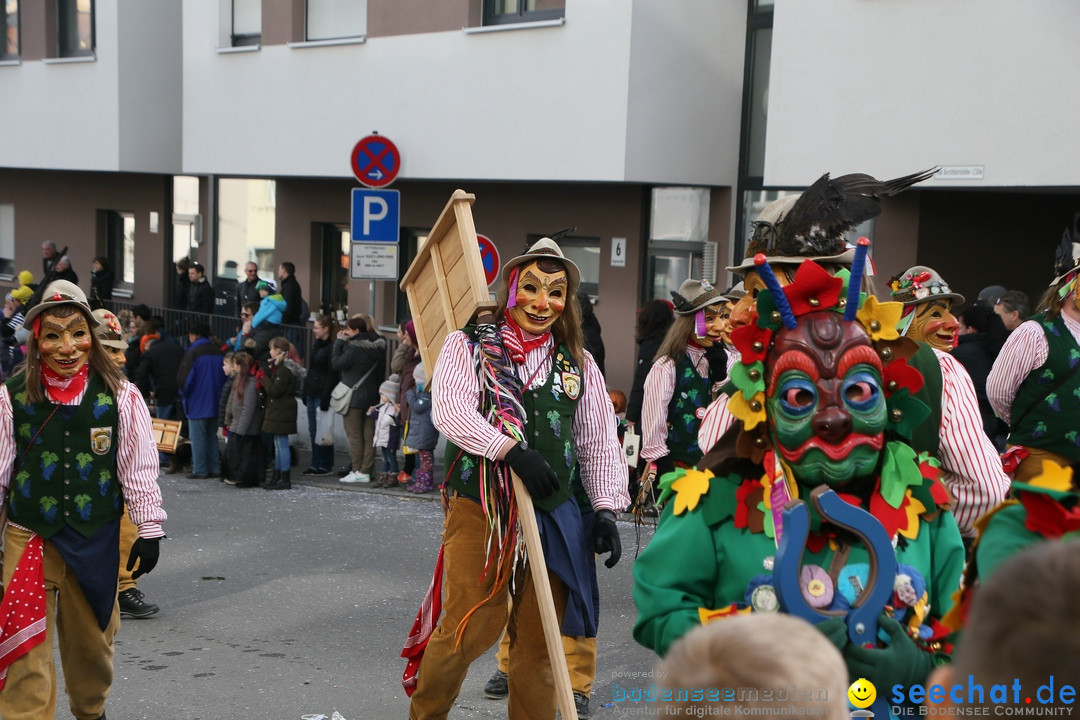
point(410, 330)
point(108, 330)
point(26, 277)
point(920, 284)
point(693, 295)
point(264, 285)
point(390, 387)
point(419, 374)
point(61, 292)
point(22, 294)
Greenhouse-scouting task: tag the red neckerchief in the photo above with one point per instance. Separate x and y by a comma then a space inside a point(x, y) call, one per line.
point(62, 389)
point(520, 343)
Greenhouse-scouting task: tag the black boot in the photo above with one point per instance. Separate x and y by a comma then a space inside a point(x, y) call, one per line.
point(282, 481)
point(269, 483)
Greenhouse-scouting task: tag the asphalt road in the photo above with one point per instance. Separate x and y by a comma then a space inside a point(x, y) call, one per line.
point(295, 604)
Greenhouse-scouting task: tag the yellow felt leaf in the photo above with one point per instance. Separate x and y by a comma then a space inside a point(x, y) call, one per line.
point(689, 489)
point(914, 510)
point(706, 616)
point(886, 314)
point(740, 409)
point(1054, 477)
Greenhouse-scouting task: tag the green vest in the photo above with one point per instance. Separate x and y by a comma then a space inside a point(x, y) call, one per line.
point(66, 475)
point(1043, 419)
point(691, 394)
point(925, 437)
point(549, 422)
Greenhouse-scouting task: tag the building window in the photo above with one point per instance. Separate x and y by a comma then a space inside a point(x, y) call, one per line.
point(7, 241)
point(246, 22)
point(9, 13)
point(247, 214)
point(336, 19)
point(502, 12)
point(75, 21)
point(120, 247)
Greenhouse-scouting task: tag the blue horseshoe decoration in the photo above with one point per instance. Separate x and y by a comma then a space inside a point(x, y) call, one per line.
point(862, 618)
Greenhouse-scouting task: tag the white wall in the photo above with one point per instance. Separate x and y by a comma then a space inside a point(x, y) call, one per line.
point(686, 76)
point(892, 87)
point(538, 104)
point(64, 116)
point(150, 74)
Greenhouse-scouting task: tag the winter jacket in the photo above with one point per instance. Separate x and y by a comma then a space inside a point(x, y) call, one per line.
point(270, 311)
point(321, 378)
point(201, 379)
point(280, 386)
point(422, 434)
point(353, 358)
point(409, 361)
point(224, 411)
point(386, 426)
point(201, 297)
point(290, 294)
point(157, 370)
point(247, 412)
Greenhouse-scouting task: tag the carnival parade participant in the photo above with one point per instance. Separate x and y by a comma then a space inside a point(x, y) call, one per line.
point(561, 427)
point(69, 421)
point(1034, 385)
point(825, 400)
point(928, 303)
point(811, 225)
point(688, 368)
point(133, 603)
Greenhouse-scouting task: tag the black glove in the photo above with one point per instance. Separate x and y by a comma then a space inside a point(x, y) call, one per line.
point(325, 406)
point(664, 466)
point(540, 480)
point(606, 537)
point(146, 551)
point(717, 357)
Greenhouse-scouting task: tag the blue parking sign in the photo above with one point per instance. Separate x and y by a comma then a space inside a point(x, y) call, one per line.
point(376, 215)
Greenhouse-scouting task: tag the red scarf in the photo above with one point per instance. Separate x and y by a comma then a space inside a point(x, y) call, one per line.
point(520, 343)
point(62, 389)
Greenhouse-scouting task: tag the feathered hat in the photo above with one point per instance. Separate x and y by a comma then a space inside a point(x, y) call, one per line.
point(812, 224)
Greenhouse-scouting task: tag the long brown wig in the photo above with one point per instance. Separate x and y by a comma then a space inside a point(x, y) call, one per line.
point(100, 363)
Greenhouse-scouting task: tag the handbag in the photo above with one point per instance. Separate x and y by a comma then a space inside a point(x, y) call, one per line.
point(324, 428)
point(341, 395)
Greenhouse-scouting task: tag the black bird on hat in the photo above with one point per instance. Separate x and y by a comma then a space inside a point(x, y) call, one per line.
point(815, 224)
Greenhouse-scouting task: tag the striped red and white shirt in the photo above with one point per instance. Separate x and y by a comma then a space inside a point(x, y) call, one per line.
point(455, 403)
point(136, 457)
point(659, 388)
point(1024, 350)
point(971, 466)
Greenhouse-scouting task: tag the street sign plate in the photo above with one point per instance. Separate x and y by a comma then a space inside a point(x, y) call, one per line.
point(376, 215)
point(375, 161)
point(374, 261)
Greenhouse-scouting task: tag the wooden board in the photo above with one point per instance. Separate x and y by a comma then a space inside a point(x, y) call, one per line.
point(167, 435)
point(445, 283)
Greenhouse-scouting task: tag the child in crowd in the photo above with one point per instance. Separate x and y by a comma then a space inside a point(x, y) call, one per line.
point(737, 657)
point(422, 434)
point(386, 430)
point(279, 420)
point(225, 414)
point(244, 445)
